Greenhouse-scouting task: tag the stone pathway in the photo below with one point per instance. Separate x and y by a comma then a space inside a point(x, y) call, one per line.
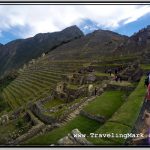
point(77, 111)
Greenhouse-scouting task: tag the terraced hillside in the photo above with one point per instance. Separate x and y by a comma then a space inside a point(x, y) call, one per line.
point(104, 105)
point(93, 83)
point(36, 81)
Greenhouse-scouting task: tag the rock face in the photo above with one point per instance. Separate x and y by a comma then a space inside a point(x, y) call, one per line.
point(16, 53)
point(137, 42)
point(98, 43)
point(74, 138)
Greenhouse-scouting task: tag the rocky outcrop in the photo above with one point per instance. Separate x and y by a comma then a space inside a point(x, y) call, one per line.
point(74, 138)
point(21, 51)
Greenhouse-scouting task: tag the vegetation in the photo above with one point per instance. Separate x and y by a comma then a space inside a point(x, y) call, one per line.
point(128, 112)
point(106, 104)
point(53, 103)
point(111, 128)
point(84, 124)
point(123, 120)
point(33, 84)
point(122, 83)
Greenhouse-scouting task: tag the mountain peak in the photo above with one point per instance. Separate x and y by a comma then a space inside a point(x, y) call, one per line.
point(73, 30)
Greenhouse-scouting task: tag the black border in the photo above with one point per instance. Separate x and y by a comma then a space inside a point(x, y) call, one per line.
point(74, 2)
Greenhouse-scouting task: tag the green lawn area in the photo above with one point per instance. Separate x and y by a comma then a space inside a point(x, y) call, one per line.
point(122, 83)
point(72, 86)
point(106, 104)
point(111, 128)
point(128, 112)
point(84, 124)
point(101, 74)
point(123, 120)
point(53, 103)
point(145, 66)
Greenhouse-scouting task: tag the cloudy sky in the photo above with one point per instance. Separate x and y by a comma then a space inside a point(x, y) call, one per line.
point(22, 21)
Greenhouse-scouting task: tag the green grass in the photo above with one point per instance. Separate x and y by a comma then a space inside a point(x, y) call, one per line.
point(33, 84)
point(84, 124)
point(122, 83)
point(53, 103)
point(145, 67)
point(128, 112)
point(72, 86)
point(112, 129)
point(13, 127)
point(123, 120)
point(61, 111)
point(106, 104)
point(101, 74)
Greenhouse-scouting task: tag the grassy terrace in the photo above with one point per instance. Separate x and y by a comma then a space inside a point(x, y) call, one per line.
point(82, 123)
point(123, 120)
point(106, 104)
point(101, 74)
point(35, 84)
point(53, 103)
point(145, 67)
point(61, 111)
point(122, 83)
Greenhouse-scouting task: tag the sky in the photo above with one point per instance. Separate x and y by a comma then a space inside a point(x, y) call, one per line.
point(23, 21)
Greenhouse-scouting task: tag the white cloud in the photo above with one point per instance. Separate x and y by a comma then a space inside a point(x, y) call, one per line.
point(49, 18)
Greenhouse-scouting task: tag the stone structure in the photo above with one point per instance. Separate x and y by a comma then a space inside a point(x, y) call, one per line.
point(74, 138)
point(4, 119)
point(37, 111)
point(98, 118)
point(38, 127)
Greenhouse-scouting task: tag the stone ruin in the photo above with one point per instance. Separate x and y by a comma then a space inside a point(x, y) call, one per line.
point(82, 76)
point(74, 138)
point(4, 119)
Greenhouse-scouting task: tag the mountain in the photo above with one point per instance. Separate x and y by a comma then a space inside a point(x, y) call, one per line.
point(18, 52)
point(103, 43)
point(72, 44)
point(138, 43)
point(92, 46)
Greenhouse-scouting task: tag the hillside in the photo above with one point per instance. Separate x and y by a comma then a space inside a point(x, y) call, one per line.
point(92, 46)
point(72, 88)
point(16, 53)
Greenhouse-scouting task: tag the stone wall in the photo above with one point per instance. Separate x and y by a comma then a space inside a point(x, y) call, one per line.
point(33, 131)
point(98, 118)
point(117, 87)
point(43, 117)
point(72, 108)
point(4, 119)
point(74, 138)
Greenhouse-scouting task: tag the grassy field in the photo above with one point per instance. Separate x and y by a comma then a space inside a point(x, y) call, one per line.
point(53, 103)
point(122, 83)
point(84, 124)
point(110, 128)
point(101, 74)
point(123, 120)
point(145, 66)
point(129, 111)
point(106, 104)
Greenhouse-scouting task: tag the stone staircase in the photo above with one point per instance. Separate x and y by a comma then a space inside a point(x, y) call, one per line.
point(87, 100)
point(77, 111)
